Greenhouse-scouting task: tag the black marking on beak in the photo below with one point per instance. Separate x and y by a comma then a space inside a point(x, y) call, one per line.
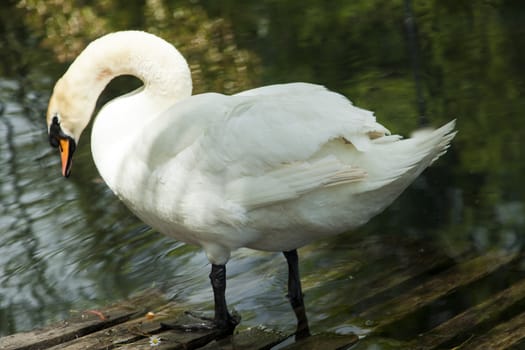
point(55, 133)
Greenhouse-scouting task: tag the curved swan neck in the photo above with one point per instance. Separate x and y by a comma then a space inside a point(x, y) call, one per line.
point(157, 63)
point(162, 69)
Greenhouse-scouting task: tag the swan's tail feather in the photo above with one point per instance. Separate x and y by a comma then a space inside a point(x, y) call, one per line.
point(401, 161)
point(431, 145)
point(435, 142)
point(448, 133)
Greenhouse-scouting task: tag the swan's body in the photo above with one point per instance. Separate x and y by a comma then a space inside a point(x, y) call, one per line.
point(272, 168)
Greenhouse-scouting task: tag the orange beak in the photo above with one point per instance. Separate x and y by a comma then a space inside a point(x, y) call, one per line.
point(65, 156)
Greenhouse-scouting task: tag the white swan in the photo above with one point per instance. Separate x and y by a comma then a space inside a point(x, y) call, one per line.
point(272, 168)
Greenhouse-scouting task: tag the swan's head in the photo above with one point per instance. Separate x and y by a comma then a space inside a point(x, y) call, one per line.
point(158, 64)
point(67, 116)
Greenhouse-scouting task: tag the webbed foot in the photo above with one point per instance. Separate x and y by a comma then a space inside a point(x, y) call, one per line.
point(192, 322)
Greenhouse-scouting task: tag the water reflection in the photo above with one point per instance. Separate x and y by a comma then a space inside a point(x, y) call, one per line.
point(70, 244)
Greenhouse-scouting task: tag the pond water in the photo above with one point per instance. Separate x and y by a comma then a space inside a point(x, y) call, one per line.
point(69, 244)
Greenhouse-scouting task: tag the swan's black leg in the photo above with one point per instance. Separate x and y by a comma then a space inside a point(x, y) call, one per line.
point(295, 294)
point(223, 319)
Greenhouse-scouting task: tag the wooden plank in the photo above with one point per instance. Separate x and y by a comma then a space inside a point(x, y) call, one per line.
point(57, 334)
point(441, 285)
point(405, 265)
point(172, 340)
point(324, 341)
point(255, 338)
point(502, 336)
point(85, 323)
point(108, 338)
point(466, 322)
point(251, 339)
point(137, 332)
point(394, 279)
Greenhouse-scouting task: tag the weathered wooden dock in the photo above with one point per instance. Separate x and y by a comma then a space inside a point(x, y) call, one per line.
point(495, 322)
point(128, 325)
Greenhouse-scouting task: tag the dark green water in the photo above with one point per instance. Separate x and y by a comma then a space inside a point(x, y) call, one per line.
point(69, 244)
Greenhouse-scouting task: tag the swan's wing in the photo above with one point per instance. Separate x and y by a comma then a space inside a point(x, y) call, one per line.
point(290, 182)
point(284, 124)
point(260, 145)
point(260, 129)
point(263, 146)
